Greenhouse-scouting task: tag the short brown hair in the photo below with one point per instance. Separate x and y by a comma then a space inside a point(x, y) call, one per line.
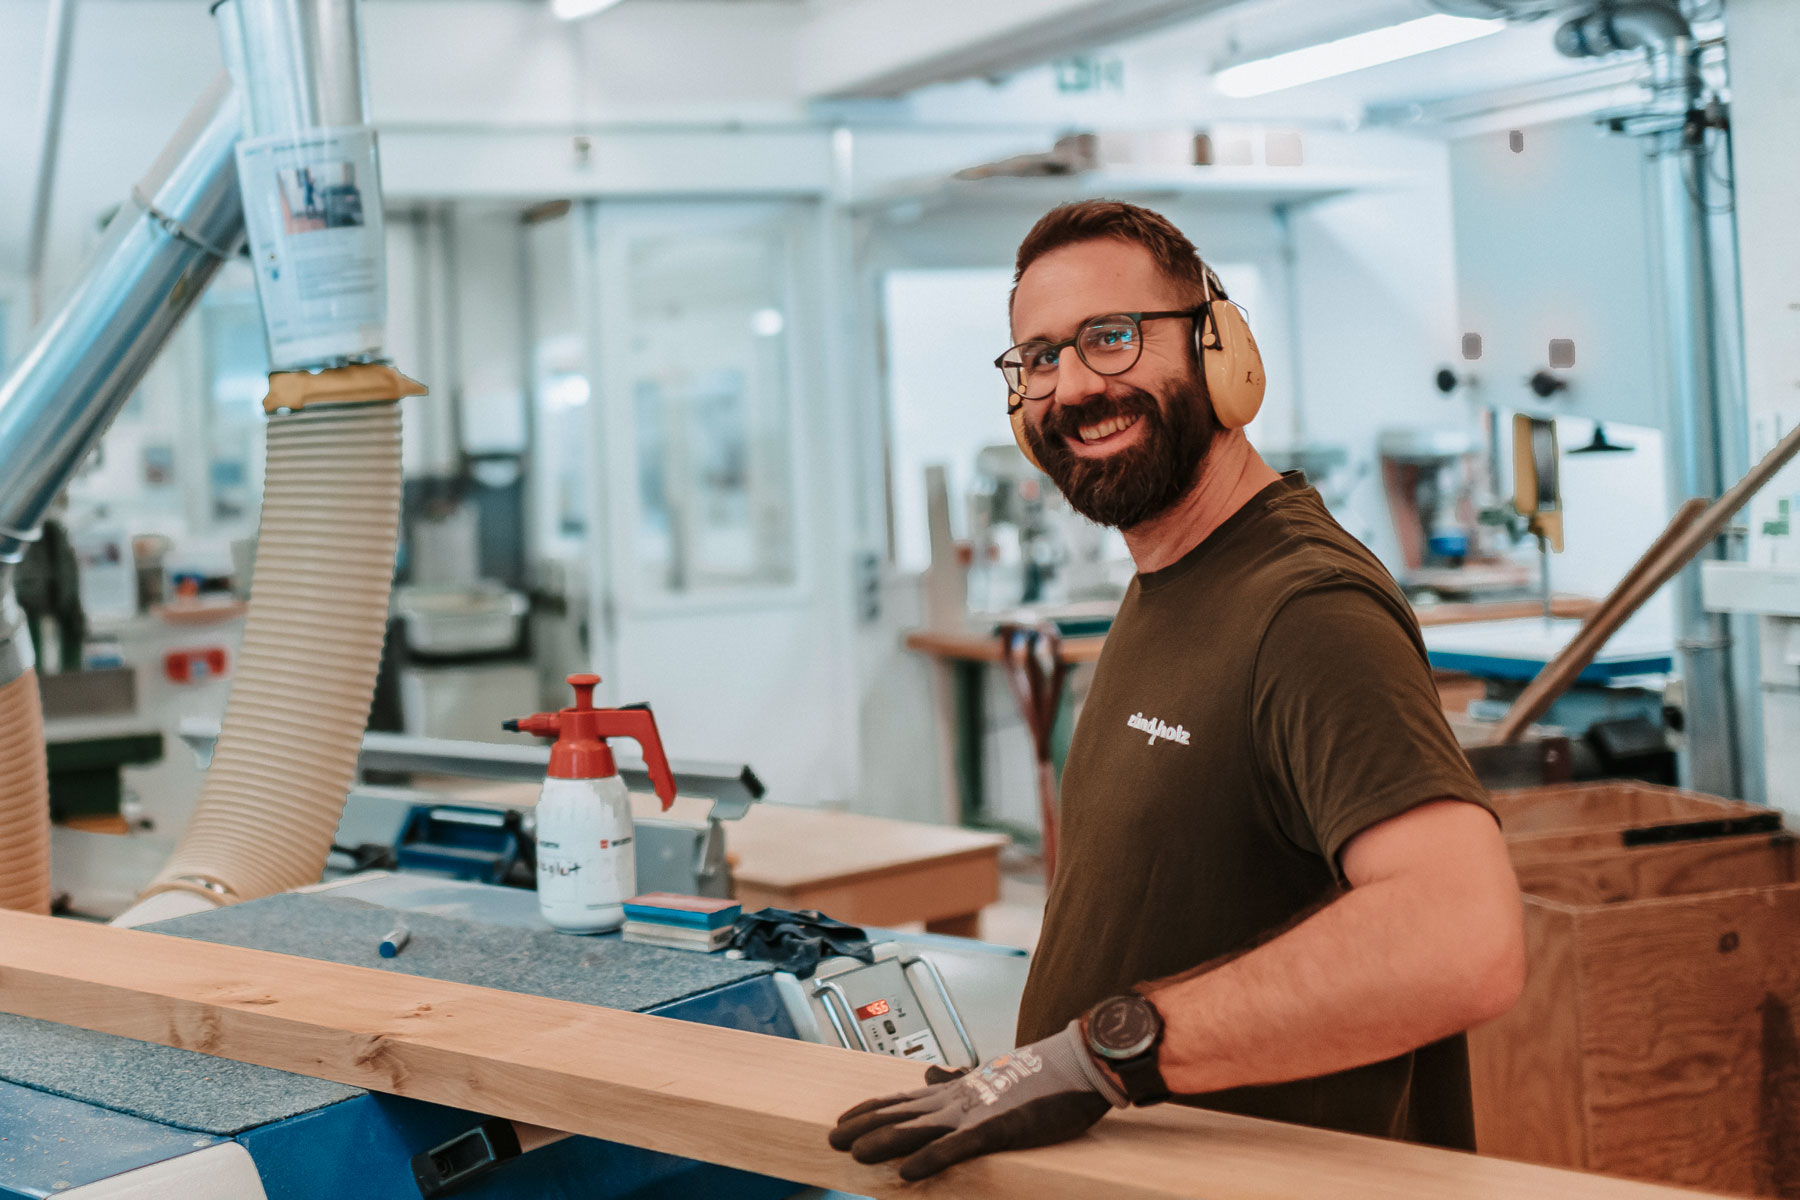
point(1087, 220)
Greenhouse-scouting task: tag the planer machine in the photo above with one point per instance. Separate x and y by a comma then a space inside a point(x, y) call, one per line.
point(88, 1116)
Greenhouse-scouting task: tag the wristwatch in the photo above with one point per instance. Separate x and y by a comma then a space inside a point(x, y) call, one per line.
point(1125, 1032)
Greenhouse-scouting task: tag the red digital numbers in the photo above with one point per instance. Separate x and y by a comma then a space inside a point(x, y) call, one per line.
point(878, 1009)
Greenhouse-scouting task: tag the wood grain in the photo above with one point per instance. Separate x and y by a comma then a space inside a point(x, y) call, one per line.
point(786, 846)
point(1646, 872)
point(759, 1103)
point(1606, 806)
point(1562, 819)
point(1693, 1074)
point(1526, 1067)
point(1656, 1035)
point(929, 892)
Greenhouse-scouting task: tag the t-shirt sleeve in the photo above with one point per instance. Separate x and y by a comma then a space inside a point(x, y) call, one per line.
point(1348, 726)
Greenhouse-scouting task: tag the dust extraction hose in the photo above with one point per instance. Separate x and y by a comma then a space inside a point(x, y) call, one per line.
point(24, 799)
point(293, 727)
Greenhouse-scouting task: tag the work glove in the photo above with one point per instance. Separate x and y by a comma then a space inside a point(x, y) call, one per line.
point(1046, 1092)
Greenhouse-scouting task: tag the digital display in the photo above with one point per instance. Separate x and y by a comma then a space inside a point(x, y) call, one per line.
point(878, 1008)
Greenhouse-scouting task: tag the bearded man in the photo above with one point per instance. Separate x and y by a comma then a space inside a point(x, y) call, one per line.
point(1280, 890)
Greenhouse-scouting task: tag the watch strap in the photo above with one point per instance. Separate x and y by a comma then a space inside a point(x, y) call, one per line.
point(1142, 1078)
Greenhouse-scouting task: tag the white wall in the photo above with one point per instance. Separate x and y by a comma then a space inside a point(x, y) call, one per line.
point(1764, 35)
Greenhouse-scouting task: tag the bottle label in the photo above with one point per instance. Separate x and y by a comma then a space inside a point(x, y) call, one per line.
point(587, 859)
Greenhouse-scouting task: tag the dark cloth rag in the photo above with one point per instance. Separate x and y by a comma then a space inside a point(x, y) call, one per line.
point(796, 941)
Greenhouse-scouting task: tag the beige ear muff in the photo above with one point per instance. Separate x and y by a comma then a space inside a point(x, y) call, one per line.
point(1015, 414)
point(1233, 365)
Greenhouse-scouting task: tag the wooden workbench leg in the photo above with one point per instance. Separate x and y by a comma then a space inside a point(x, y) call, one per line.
point(967, 925)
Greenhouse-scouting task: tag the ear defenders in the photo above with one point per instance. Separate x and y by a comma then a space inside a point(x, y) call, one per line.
point(1226, 351)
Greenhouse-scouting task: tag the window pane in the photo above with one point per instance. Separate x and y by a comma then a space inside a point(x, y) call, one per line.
point(709, 386)
point(237, 369)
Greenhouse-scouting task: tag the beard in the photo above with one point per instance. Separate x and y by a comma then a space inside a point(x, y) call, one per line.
point(1130, 486)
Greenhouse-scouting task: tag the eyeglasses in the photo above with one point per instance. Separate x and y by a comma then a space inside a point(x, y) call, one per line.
point(1110, 344)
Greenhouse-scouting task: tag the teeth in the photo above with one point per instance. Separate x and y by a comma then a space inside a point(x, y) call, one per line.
point(1106, 428)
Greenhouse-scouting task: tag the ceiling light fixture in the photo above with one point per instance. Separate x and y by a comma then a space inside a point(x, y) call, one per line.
point(1313, 63)
point(575, 10)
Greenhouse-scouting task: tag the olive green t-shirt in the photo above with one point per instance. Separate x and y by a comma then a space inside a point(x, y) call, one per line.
point(1258, 704)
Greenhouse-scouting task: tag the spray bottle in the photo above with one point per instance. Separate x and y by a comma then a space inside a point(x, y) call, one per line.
point(586, 855)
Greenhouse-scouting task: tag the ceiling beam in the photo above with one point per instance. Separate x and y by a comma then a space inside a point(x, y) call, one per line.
point(865, 49)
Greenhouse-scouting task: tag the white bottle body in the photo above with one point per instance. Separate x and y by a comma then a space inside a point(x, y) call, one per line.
point(586, 854)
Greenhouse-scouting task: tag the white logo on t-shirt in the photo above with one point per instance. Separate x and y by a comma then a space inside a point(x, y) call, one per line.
point(1156, 729)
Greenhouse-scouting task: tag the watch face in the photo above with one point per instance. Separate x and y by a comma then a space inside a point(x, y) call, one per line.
point(1123, 1027)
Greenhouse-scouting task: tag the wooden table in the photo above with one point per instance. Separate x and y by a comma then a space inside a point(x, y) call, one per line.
point(860, 869)
point(973, 645)
point(864, 870)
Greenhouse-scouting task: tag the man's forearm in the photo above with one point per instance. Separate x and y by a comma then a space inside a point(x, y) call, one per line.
point(1383, 969)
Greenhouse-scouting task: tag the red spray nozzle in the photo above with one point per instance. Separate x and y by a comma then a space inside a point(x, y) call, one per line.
point(581, 731)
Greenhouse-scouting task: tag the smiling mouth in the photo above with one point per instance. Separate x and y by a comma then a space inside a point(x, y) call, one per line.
point(1100, 431)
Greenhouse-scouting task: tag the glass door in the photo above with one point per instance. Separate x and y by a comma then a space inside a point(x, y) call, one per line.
point(717, 582)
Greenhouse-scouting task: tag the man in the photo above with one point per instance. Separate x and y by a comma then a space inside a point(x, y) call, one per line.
point(1279, 888)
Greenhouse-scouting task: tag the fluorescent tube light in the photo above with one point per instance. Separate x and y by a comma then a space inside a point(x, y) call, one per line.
point(1313, 63)
point(574, 10)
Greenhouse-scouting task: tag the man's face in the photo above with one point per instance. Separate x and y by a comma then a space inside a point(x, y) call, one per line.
point(1122, 448)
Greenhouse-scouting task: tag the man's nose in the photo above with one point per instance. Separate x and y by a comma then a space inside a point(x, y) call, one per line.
point(1076, 382)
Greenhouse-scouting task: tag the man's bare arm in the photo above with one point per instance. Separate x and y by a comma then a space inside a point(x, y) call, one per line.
point(1428, 941)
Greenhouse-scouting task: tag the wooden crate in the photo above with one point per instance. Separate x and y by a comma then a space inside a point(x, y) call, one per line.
point(1548, 821)
point(1656, 1037)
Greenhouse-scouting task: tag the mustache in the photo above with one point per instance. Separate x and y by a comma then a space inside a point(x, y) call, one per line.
point(1067, 420)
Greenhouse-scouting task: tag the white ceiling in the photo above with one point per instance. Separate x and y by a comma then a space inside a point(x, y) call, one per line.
point(506, 63)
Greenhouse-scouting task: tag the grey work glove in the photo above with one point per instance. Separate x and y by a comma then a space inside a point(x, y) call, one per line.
point(1046, 1092)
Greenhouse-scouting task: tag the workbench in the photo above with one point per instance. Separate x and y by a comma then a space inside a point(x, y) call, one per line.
point(860, 869)
point(78, 1107)
point(865, 870)
point(961, 656)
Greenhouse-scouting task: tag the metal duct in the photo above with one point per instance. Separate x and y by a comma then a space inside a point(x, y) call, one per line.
point(293, 726)
point(1510, 10)
point(310, 179)
point(1658, 29)
point(298, 62)
point(158, 255)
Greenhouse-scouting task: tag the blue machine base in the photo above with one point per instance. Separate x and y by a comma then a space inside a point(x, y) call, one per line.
point(1486, 666)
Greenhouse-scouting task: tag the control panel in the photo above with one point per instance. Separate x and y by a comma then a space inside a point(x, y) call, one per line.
point(877, 1007)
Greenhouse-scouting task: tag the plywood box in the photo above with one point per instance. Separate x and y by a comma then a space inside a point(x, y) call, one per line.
point(1546, 821)
point(1656, 1038)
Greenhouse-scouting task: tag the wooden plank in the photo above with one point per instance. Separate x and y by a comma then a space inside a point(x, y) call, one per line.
point(1646, 872)
point(785, 846)
point(1525, 1067)
point(1693, 1059)
point(928, 892)
point(1607, 808)
point(759, 1103)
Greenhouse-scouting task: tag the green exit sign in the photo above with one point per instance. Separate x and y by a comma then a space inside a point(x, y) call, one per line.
point(1089, 73)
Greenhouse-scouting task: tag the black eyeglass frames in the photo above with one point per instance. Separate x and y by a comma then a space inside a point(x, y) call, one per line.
point(1110, 344)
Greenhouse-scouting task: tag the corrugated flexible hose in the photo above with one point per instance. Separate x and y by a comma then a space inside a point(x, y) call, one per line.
point(24, 799)
point(293, 727)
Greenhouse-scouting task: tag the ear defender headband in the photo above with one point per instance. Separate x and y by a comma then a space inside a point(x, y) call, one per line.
point(1226, 351)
